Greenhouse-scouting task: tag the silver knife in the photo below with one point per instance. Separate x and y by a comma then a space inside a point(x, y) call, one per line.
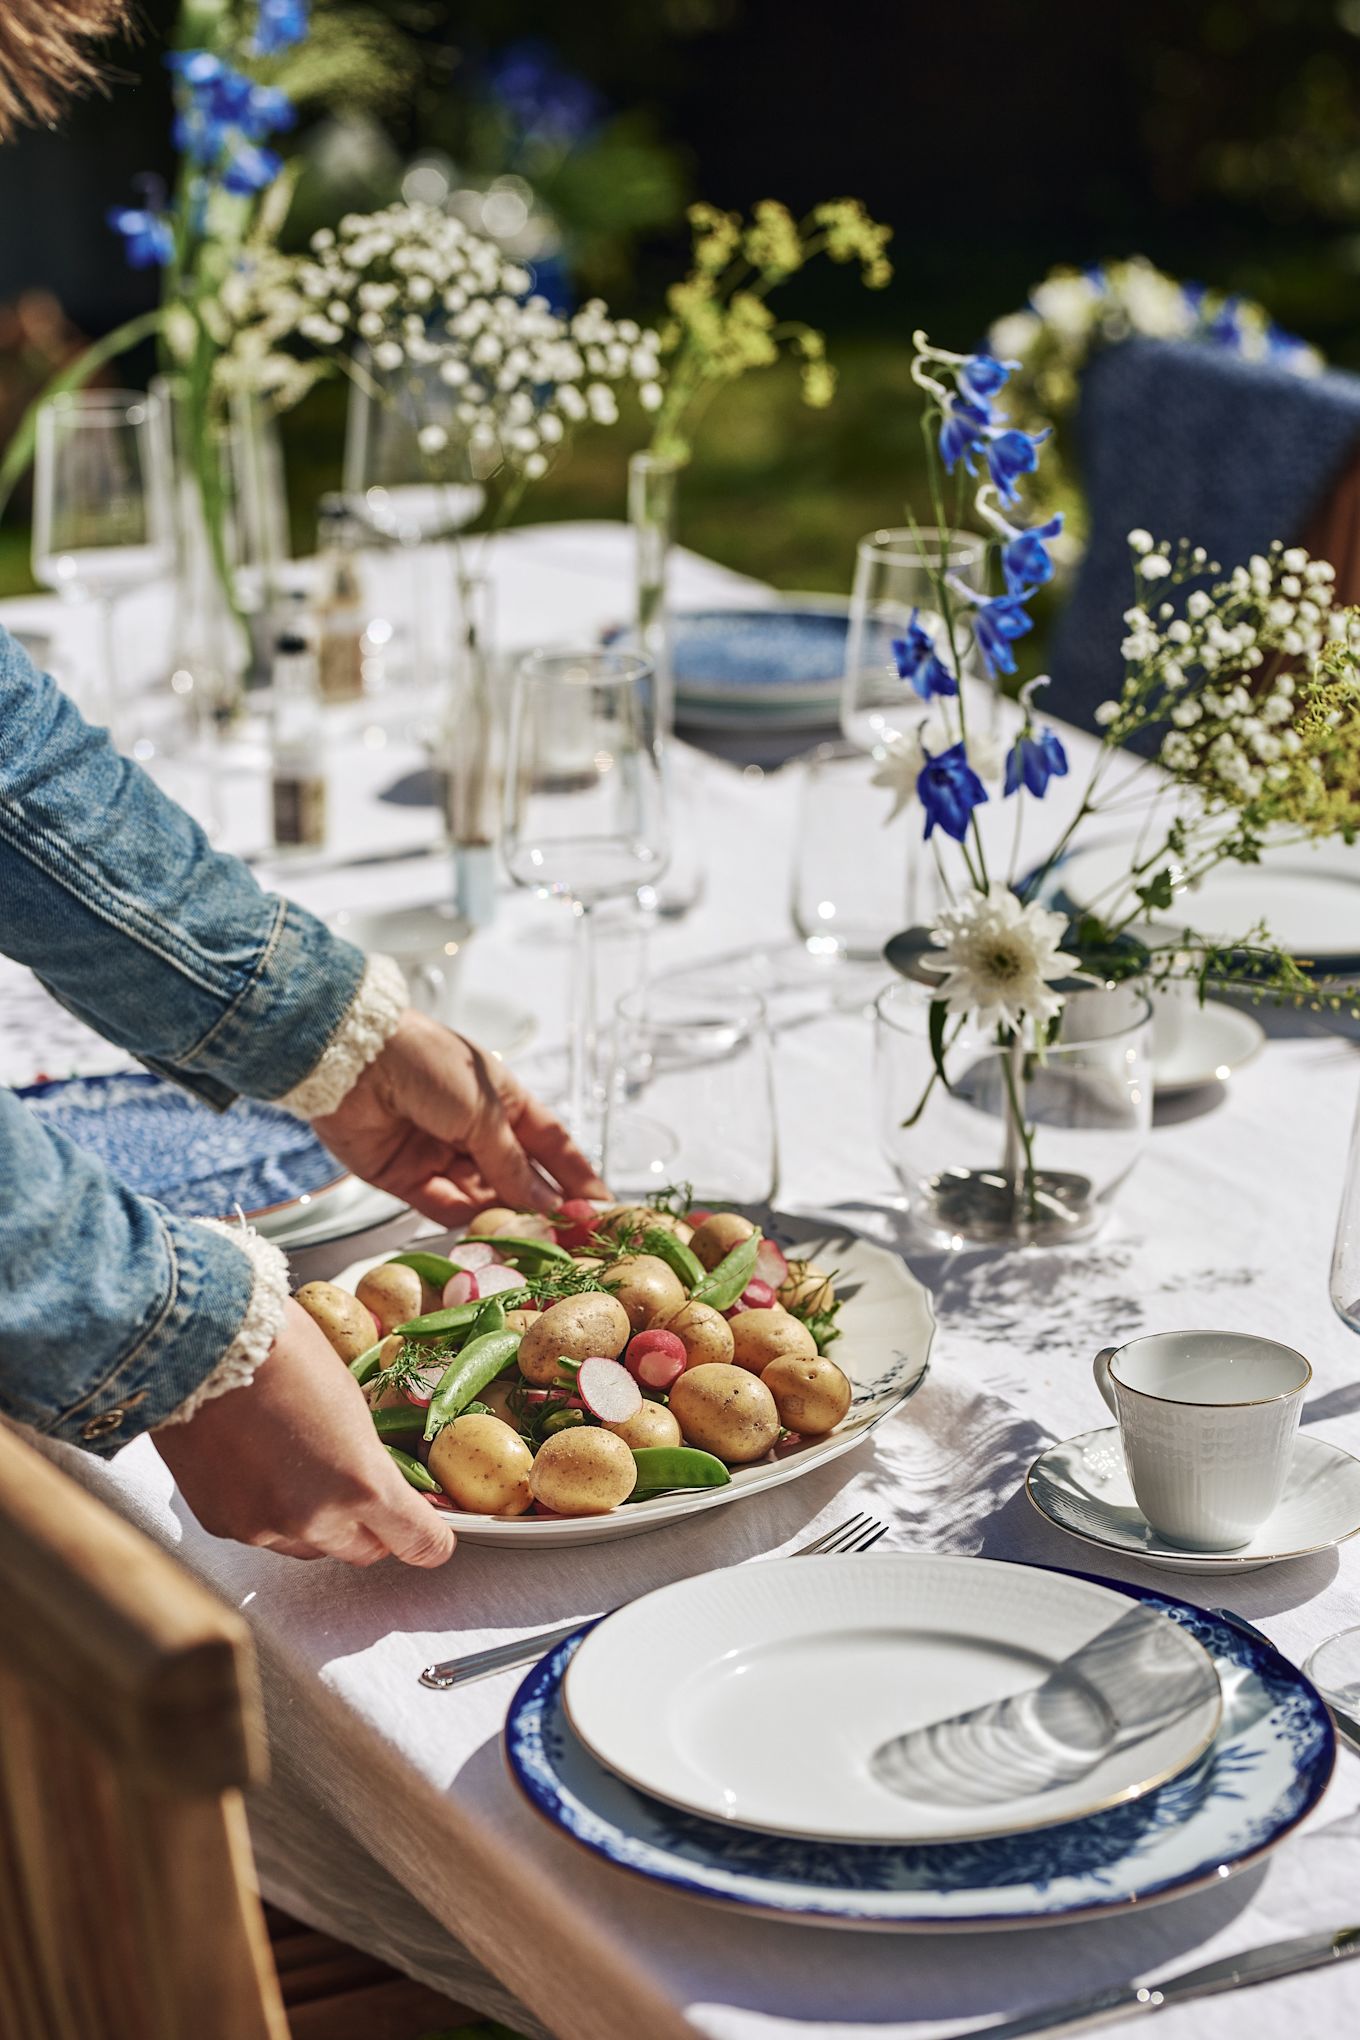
point(1234, 1972)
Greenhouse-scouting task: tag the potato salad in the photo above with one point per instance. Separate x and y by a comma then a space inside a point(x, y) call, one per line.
point(566, 1366)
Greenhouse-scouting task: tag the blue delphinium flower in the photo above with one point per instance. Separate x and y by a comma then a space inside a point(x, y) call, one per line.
point(1025, 559)
point(1010, 454)
point(545, 101)
point(949, 790)
point(997, 620)
point(918, 661)
point(962, 428)
point(982, 375)
point(279, 25)
point(220, 108)
point(147, 233)
point(1036, 757)
point(249, 169)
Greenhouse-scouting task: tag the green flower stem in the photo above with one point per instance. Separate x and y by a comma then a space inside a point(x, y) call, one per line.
point(1018, 1135)
point(940, 581)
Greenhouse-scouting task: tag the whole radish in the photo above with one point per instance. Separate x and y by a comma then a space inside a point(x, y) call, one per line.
point(574, 1223)
point(656, 1358)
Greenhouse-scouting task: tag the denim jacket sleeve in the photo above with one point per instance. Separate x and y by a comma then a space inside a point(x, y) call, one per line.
point(114, 897)
point(116, 1315)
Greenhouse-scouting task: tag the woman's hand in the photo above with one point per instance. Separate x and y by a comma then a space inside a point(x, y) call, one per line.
point(292, 1462)
point(449, 1130)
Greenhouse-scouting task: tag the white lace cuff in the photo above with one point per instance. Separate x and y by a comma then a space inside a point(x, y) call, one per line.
point(370, 1022)
point(258, 1328)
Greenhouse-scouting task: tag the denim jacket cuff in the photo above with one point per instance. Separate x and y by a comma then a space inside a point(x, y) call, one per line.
point(219, 1303)
point(368, 1025)
point(259, 1327)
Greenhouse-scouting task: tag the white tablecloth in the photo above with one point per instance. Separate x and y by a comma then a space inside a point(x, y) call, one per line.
point(392, 1818)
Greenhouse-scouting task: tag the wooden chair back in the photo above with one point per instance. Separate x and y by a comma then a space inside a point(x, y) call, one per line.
point(130, 1724)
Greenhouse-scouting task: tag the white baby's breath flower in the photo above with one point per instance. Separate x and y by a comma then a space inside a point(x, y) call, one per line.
point(432, 439)
point(998, 959)
point(1107, 713)
point(1155, 567)
point(1140, 541)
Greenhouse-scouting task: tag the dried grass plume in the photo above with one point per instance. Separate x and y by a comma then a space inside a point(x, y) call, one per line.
point(44, 58)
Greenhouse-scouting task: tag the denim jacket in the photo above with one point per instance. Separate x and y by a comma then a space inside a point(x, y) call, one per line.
point(112, 1310)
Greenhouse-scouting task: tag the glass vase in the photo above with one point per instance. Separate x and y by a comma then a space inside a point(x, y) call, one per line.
point(232, 539)
point(893, 584)
point(1019, 1144)
point(473, 741)
point(652, 485)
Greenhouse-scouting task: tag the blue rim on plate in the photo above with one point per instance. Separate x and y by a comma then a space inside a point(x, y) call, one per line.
point(784, 656)
point(165, 1143)
point(1265, 1771)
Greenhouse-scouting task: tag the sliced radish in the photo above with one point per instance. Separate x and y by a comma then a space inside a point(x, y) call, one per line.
point(657, 1358)
point(772, 1264)
point(418, 1388)
point(476, 1254)
point(574, 1222)
point(461, 1288)
point(495, 1281)
point(697, 1217)
point(608, 1391)
point(443, 1503)
point(757, 1295)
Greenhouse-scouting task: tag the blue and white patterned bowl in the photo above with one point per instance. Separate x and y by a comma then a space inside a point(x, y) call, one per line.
point(1266, 1769)
point(165, 1143)
point(779, 666)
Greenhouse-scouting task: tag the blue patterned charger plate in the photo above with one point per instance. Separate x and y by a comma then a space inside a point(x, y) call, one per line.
point(165, 1143)
point(1265, 1770)
point(782, 664)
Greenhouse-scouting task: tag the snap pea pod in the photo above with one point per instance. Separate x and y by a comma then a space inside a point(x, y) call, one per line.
point(563, 1420)
point(680, 1259)
point(436, 1269)
point(366, 1365)
point(722, 1286)
point(490, 1317)
point(415, 1475)
point(437, 1323)
point(399, 1420)
point(662, 1468)
point(480, 1361)
point(531, 1256)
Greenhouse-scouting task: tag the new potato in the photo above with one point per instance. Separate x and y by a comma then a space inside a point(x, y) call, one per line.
point(583, 1472)
point(653, 1424)
point(811, 1395)
point(350, 1327)
point(704, 1333)
point(717, 1236)
point(395, 1294)
point(577, 1327)
point(806, 1288)
point(726, 1411)
point(649, 1291)
point(483, 1466)
point(760, 1336)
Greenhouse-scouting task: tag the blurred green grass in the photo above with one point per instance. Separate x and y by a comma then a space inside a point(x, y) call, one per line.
point(774, 489)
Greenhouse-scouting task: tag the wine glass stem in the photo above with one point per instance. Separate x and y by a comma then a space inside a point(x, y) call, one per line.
point(106, 685)
point(583, 1054)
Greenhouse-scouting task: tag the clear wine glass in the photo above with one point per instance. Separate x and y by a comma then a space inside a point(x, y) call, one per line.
point(405, 494)
point(102, 518)
point(892, 578)
point(584, 814)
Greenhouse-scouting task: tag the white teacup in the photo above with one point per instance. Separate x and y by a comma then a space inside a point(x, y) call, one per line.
point(1207, 1421)
point(427, 942)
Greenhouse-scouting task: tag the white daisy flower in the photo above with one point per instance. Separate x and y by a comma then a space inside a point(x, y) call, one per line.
point(999, 959)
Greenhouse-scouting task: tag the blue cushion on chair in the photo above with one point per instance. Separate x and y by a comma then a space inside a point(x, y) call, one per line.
point(1189, 442)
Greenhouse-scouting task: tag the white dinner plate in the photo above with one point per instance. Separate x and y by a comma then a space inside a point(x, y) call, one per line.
point(1265, 1771)
point(1082, 1486)
point(759, 1695)
point(1308, 896)
point(353, 1207)
point(887, 1323)
point(1206, 1045)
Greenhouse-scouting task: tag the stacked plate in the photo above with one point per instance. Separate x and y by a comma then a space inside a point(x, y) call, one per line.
point(253, 1160)
point(776, 669)
point(919, 1742)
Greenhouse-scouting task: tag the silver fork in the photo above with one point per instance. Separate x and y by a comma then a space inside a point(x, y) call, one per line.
point(853, 1536)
